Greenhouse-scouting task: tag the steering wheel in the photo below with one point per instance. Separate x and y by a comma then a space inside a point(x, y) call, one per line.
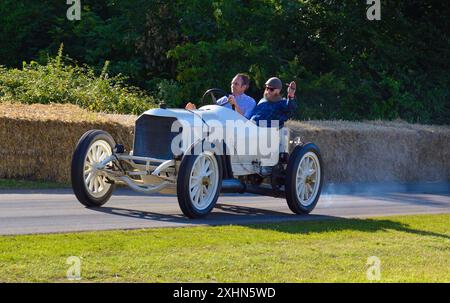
point(214, 93)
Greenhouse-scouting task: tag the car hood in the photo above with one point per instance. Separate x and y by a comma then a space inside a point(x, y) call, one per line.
point(205, 113)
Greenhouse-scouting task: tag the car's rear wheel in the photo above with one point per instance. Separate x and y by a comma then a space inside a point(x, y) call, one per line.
point(304, 178)
point(91, 187)
point(198, 184)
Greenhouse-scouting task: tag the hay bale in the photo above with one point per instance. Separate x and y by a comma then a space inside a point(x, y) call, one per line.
point(37, 142)
point(379, 151)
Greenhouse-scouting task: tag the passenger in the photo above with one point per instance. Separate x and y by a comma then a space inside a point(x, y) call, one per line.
point(243, 103)
point(273, 107)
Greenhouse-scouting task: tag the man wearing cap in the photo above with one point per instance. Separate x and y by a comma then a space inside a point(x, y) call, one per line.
point(273, 110)
point(243, 103)
point(273, 107)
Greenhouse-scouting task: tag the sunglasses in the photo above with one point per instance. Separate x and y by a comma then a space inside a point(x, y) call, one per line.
point(271, 89)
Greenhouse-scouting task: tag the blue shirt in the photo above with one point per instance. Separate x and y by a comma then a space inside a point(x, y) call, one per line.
point(245, 103)
point(279, 110)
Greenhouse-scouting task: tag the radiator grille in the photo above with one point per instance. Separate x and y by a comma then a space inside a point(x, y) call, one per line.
point(153, 137)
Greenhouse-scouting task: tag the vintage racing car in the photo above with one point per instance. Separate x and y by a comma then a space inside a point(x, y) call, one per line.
point(176, 151)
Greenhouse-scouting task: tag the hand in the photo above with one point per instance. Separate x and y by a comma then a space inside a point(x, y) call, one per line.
point(190, 106)
point(234, 105)
point(232, 100)
point(291, 90)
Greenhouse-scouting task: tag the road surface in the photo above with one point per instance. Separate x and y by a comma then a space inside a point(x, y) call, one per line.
point(50, 211)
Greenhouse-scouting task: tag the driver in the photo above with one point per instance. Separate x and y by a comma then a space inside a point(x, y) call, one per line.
point(243, 103)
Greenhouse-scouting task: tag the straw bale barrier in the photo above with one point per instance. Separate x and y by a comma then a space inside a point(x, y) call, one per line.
point(378, 150)
point(37, 141)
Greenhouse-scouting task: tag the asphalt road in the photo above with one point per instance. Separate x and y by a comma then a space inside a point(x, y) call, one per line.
point(49, 211)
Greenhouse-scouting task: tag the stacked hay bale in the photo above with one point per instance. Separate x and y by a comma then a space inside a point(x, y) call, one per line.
point(37, 142)
point(378, 150)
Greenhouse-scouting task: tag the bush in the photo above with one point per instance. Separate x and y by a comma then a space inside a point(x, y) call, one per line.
point(58, 82)
point(346, 66)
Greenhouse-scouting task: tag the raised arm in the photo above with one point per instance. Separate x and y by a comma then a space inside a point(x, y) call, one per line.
point(291, 105)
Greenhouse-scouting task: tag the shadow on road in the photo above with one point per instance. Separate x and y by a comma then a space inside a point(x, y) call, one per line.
point(272, 220)
point(227, 214)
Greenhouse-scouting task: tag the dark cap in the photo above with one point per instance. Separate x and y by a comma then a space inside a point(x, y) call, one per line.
point(274, 82)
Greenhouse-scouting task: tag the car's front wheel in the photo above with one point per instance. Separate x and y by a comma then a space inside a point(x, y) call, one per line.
point(91, 187)
point(198, 184)
point(304, 178)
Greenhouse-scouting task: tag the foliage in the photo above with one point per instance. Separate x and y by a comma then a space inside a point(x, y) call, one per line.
point(347, 67)
point(58, 82)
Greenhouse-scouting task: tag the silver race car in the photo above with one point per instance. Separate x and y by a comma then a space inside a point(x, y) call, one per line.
point(198, 154)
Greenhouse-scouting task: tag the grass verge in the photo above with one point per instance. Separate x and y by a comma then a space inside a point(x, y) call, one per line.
point(26, 184)
point(410, 249)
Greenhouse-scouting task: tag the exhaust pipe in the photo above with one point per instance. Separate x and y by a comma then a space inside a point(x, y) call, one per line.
point(232, 186)
point(236, 186)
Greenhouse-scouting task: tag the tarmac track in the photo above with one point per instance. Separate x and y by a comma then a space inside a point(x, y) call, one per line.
point(57, 211)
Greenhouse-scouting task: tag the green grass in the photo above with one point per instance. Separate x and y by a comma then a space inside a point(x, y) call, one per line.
point(410, 248)
point(26, 184)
